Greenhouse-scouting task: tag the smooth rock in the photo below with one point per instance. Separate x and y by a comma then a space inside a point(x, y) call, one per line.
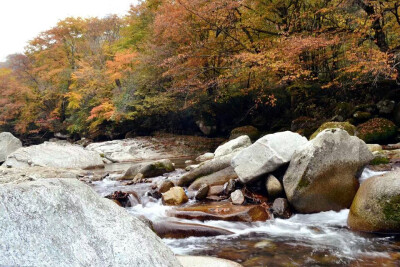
point(203, 261)
point(63, 222)
point(230, 186)
point(149, 169)
point(8, 144)
point(322, 175)
point(237, 197)
point(217, 178)
point(174, 196)
point(224, 211)
point(165, 186)
point(281, 208)
point(376, 206)
point(266, 155)
point(205, 157)
point(273, 186)
point(233, 146)
point(202, 192)
point(168, 229)
point(58, 155)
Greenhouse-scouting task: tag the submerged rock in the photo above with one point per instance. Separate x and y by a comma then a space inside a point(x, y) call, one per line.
point(63, 222)
point(376, 206)
point(322, 175)
point(175, 196)
point(168, 229)
point(217, 178)
point(224, 211)
point(149, 169)
point(58, 155)
point(266, 155)
point(8, 144)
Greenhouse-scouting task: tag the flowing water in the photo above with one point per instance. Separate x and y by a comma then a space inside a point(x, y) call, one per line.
point(321, 239)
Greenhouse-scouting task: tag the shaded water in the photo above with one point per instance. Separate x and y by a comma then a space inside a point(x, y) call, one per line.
point(321, 239)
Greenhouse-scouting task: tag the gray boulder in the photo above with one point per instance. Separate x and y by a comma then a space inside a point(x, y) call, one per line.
point(375, 207)
point(266, 155)
point(8, 144)
point(233, 146)
point(273, 186)
point(58, 155)
point(322, 176)
point(216, 178)
point(63, 222)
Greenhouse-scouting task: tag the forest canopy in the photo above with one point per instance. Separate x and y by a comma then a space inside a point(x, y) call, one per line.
point(188, 60)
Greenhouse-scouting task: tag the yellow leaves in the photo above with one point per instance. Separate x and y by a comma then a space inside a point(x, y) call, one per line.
point(74, 100)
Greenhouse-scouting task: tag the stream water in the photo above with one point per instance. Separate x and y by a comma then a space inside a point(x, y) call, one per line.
point(321, 239)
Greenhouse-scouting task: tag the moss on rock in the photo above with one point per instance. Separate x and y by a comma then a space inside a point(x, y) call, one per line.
point(248, 130)
point(376, 130)
point(349, 128)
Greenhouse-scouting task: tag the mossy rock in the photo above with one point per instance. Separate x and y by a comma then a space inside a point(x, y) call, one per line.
point(376, 206)
point(362, 115)
point(248, 130)
point(349, 128)
point(376, 130)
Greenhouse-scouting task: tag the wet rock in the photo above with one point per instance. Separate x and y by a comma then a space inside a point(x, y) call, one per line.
point(204, 169)
point(237, 197)
point(63, 222)
point(386, 107)
point(202, 192)
point(205, 261)
point(217, 178)
point(165, 186)
point(205, 157)
point(191, 167)
point(168, 229)
point(138, 178)
point(252, 197)
point(8, 144)
point(230, 186)
point(175, 196)
point(216, 190)
point(58, 155)
point(273, 186)
point(376, 206)
point(322, 175)
point(349, 128)
point(233, 146)
point(150, 169)
point(224, 211)
point(249, 130)
point(281, 208)
point(376, 130)
point(266, 155)
point(125, 199)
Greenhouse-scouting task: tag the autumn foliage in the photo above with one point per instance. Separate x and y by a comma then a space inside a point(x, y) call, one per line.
point(170, 56)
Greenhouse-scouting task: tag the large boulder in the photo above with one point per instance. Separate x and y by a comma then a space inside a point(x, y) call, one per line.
point(376, 130)
point(266, 155)
point(348, 127)
point(63, 222)
point(216, 178)
point(8, 144)
point(149, 169)
point(376, 206)
point(322, 175)
point(233, 146)
point(58, 155)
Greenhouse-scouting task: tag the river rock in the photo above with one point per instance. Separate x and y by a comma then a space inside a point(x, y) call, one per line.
point(204, 261)
point(322, 175)
point(217, 178)
point(376, 206)
point(169, 229)
point(8, 144)
point(165, 186)
point(273, 186)
point(202, 192)
point(224, 211)
point(233, 146)
point(237, 197)
point(58, 155)
point(63, 222)
point(348, 127)
point(205, 157)
point(149, 169)
point(266, 155)
point(174, 196)
point(281, 208)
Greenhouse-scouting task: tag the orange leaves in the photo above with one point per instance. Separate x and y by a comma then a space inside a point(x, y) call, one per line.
point(123, 62)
